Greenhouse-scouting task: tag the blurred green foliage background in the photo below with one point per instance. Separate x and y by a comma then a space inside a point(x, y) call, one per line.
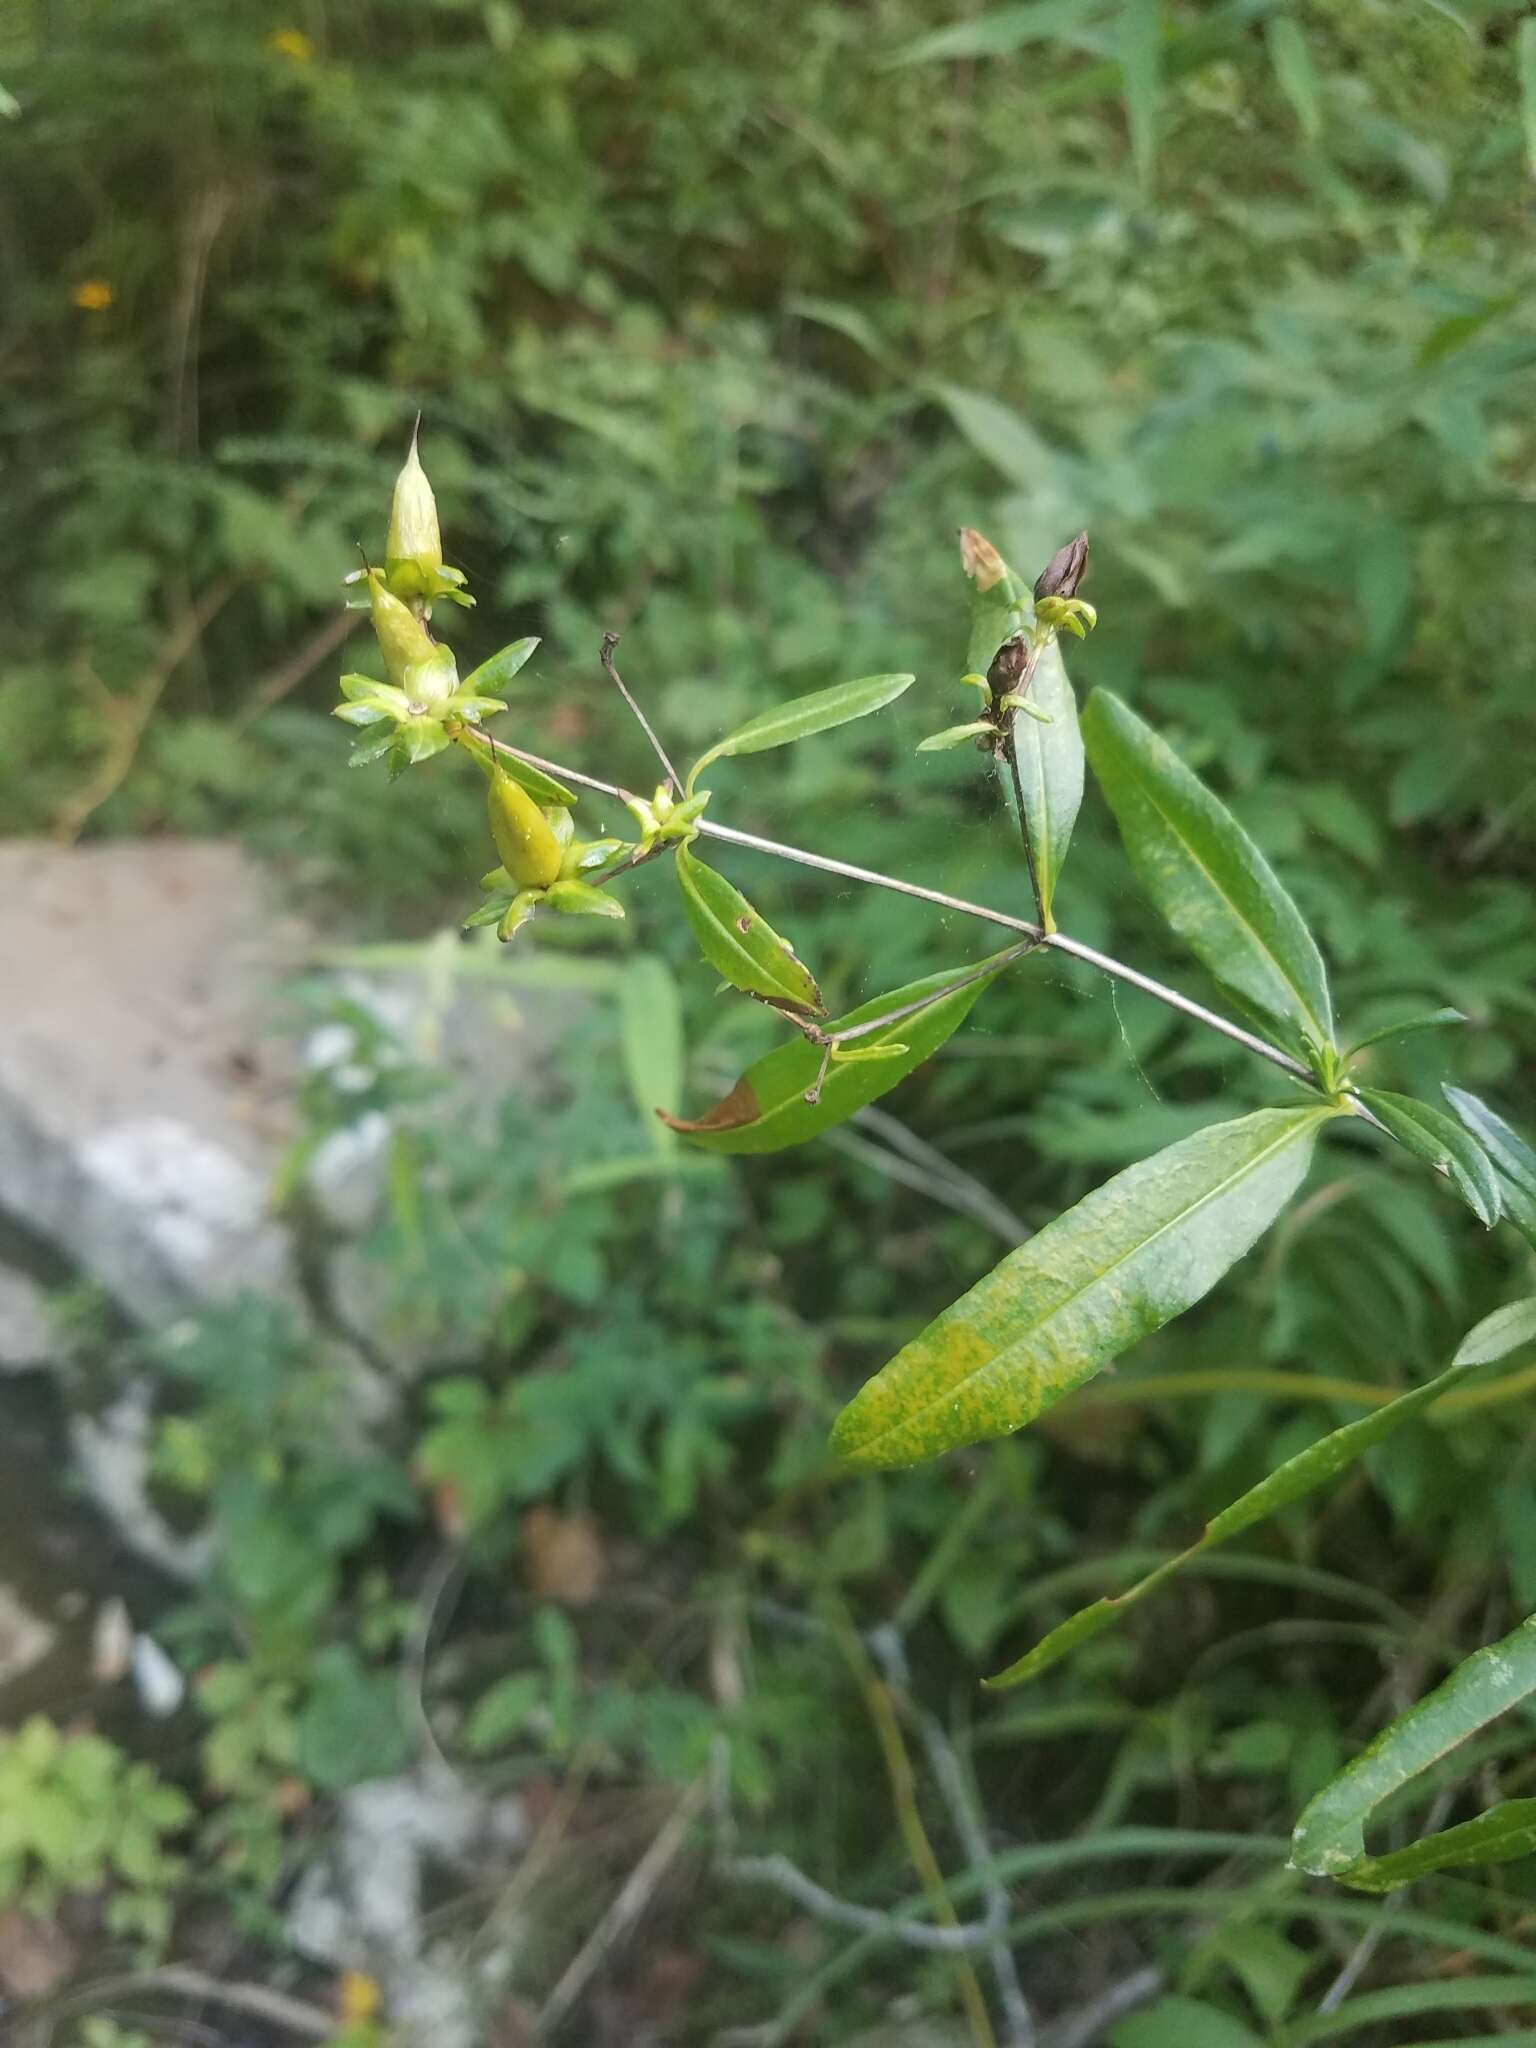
point(720, 324)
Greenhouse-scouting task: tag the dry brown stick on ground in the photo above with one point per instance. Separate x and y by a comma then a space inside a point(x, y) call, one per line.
point(131, 713)
point(633, 1897)
point(307, 657)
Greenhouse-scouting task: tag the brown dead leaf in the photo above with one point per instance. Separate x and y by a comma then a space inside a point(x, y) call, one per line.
point(740, 1107)
point(35, 1956)
point(563, 1556)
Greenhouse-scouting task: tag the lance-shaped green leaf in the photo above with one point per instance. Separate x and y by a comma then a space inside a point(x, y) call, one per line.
point(1128, 1258)
point(1513, 1158)
point(1508, 1329)
point(803, 717)
point(1426, 1020)
point(1329, 1839)
point(1050, 758)
point(492, 677)
point(1291, 1481)
point(951, 736)
point(1205, 874)
point(1428, 1133)
point(767, 1111)
point(741, 946)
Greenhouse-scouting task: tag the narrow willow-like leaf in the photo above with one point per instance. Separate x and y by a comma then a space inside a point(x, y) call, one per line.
point(767, 1110)
point(803, 717)
point(1428, 1133)
point(1513, 1159)
point(492, 677)
point(936, 742)
point(1050, 761)
point(651, 1023)
point(1290, 1481)
point(1291, 55)
point(1127, 1259)
point(738, 942)
point(1426, 1020)
point(1205, 874)
point(1510, 1153)
point(1506, 1330)
point(1329, 1839)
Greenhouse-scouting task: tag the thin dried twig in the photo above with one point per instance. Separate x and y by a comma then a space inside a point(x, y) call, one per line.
point(634, 1895)
point(1082, 2029)
point(610, 641)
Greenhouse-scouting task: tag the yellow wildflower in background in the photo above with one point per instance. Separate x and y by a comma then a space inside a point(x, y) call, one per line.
point(357, 1996)
point(292, 42)
point(93, 296)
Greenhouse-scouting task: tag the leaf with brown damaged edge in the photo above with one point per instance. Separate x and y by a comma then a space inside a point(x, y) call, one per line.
point(767, 1111)
point(740, 1107)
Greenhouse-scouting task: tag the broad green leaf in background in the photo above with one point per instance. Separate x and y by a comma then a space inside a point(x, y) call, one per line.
point(651, 1023)
point(1003, 436)
point(1180, 2022)
point(1291, 56)
point(1128, 1258)
point(803, 717)
point(1430, 1134)
point(1220, 34)
point(1329, 1840)
point(1525, 67)
point(999, 32)
point(1290, 1481)
point(1050, 761)
point(767, 1111)
point(737, 942)
point(1205, 875)
point(1141, 69)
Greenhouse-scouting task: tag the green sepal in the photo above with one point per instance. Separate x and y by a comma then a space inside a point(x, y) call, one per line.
point(580, 899)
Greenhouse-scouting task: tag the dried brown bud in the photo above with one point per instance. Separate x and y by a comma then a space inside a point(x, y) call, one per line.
point(1008, 665)
point(1064, 571)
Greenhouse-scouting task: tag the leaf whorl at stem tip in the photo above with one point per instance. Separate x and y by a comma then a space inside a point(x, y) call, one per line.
point(1064, 571)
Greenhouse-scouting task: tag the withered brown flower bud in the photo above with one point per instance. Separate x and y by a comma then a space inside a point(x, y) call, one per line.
point(1008, 665)
point(1064, 571)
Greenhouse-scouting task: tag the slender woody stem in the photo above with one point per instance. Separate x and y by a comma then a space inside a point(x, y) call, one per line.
point(1060, 942)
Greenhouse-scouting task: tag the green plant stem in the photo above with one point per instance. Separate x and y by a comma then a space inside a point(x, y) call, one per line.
point(1060, 941)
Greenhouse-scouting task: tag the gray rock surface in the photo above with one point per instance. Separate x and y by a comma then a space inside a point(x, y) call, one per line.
point(27, 1335)
point(143, 1095)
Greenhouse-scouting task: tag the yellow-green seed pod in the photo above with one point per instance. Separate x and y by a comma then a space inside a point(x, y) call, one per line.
point(414, 662)
point(528, 844)
point(403, 640)
point(414, 536)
